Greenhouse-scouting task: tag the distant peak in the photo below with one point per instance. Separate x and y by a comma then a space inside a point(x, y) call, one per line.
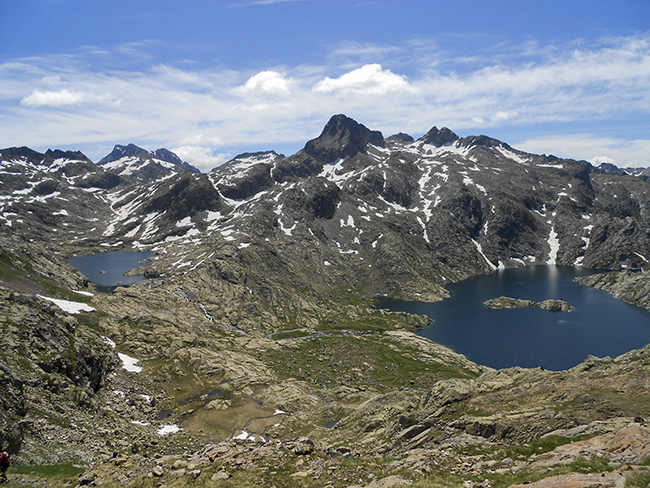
point(439, 137)
point(258, 155)
point(120, 151)
point(341, 137)
point(400, 137)
point(482, 141)
point(131, 150)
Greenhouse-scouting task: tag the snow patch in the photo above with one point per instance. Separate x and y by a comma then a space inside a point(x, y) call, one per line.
point(554, 244)
point(424, 230)
point(129, 363)
point(68, 306)
point(511, 155)
point(168, 429)
point(479, 248)
point(84, 293)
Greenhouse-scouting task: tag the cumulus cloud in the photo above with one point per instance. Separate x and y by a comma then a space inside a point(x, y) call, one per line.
point(53, 98)
point(201, 157)
point(369, 79)
point(268, 83)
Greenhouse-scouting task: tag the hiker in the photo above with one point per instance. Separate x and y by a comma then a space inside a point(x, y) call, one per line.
point(4, 465)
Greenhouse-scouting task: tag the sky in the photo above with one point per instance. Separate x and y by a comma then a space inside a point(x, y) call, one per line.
point(210, 79)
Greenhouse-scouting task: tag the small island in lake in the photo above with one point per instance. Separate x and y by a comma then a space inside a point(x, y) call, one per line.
point(507, 302)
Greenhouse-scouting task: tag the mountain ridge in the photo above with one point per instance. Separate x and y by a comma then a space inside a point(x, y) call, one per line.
point(257, 326)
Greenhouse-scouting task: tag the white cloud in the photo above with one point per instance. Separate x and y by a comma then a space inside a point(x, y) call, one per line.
point(369, 79)
point(267, 82)
point(597, 150)
point(53, 99)
point(201, 140)
point(503, 116)
point(200, 156)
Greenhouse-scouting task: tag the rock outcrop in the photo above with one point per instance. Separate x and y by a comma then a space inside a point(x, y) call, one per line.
point(631, 287)
point(550, 304)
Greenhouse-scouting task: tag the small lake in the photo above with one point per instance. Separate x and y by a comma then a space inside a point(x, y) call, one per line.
point(106, 270)
point(600, 324)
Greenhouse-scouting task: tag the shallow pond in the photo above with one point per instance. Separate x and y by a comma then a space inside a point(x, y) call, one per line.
point(106, 270)
point(600, 324)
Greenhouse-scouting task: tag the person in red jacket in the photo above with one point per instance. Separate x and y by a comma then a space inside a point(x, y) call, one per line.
point(4, 465)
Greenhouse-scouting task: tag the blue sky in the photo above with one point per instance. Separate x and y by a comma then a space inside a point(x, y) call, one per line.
point(212, 78)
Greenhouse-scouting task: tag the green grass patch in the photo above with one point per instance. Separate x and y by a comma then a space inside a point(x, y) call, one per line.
point(523, 451)
point(638, 480)
point(356, 361)
point(291, 334)
point(56, 474)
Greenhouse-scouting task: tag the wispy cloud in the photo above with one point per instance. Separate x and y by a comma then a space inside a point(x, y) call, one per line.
point(208, 113)
point(594, 149)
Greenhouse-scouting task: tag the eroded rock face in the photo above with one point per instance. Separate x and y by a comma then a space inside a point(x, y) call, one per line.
point(630, 287)
point(45, 353)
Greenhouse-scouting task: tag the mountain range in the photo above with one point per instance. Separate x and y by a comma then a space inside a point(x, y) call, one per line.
point(260, 299)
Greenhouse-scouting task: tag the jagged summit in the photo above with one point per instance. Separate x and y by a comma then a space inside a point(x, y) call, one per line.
point(611, 169)
point(120, 151)
point(482, 141)
point(131, 150)
point(341, 137)
point(35, 157)
point(439, 137)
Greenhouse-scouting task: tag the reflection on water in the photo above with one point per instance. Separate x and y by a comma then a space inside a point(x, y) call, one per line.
point(600, 325)
point(106, 270)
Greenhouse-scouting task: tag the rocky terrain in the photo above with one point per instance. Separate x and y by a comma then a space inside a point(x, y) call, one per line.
point(630, 287)
point(550, 304)
point(254, 355)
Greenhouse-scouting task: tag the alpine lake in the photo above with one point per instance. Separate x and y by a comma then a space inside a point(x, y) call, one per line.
point(600, 325)
point(106, 270)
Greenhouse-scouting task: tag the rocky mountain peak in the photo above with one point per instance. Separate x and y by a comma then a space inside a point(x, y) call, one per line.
point(120, 152)
point(439, 137)
point(131, 150)
point(171, 157)
point(482, 141)
point(27, 154)
point(401, 137)
point(611, 169)
point(52, 154)
point(342, 137)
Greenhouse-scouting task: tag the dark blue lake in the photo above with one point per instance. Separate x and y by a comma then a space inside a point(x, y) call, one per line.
point(106, 270)
point(600, 324)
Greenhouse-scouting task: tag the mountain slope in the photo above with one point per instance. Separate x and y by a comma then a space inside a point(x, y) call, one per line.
point(258, 323)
